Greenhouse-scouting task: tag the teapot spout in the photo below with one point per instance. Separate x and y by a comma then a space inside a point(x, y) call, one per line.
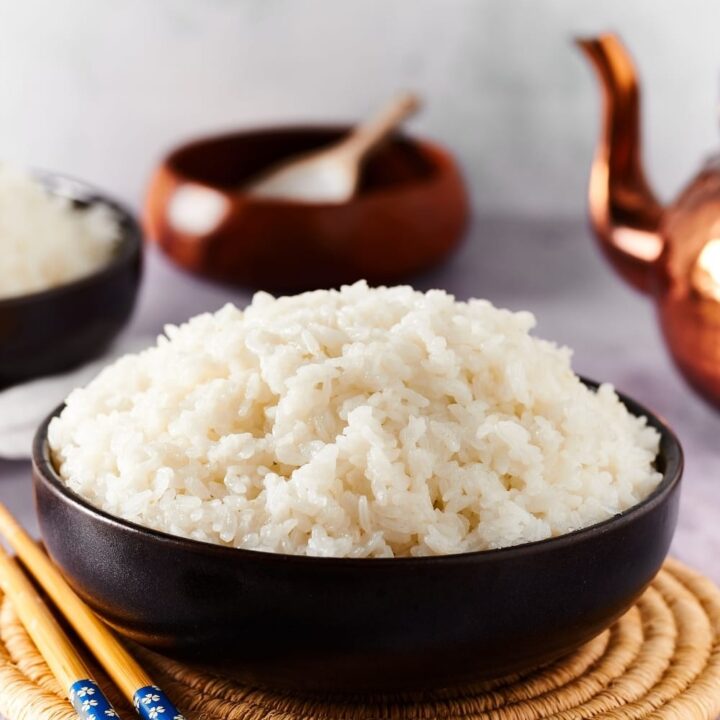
point(624, 212)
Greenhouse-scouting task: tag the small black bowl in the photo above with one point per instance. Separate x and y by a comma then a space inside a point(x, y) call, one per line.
point(53, 330)
point(359, 625)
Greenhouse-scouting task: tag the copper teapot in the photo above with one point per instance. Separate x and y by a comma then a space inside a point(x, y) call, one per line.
point(671, 253)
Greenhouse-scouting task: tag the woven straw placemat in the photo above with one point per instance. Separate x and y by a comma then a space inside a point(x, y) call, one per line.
point(660, 660)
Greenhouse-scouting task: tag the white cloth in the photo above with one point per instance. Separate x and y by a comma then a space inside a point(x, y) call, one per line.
point(23, 407)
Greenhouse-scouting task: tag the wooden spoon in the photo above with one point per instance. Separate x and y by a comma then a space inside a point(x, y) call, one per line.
point(331, 175)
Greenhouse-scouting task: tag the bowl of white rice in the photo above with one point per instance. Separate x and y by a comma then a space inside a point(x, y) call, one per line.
point(69, 275)
point(363, 489)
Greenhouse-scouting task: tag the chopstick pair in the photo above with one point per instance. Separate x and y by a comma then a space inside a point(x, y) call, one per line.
point(53, 644)
point(63, 660)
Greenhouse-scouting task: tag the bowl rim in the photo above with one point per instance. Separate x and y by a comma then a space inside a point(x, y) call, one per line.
point(129, 245)
point(670, 449)
point(441, 159)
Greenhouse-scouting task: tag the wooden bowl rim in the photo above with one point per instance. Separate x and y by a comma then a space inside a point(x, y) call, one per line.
point(442, 163)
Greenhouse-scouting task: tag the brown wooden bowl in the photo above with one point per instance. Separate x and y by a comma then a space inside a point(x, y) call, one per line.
point(409, 213)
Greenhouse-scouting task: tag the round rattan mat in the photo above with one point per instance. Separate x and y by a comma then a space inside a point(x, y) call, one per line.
point(660, 660)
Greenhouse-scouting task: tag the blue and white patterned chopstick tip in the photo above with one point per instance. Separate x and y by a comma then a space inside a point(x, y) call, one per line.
point(152, 703)
point(89, 702)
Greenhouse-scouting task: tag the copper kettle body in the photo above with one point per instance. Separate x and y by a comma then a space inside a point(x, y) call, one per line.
point(671, 253)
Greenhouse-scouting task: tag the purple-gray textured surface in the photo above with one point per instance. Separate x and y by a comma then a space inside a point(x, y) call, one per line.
point(549, 267)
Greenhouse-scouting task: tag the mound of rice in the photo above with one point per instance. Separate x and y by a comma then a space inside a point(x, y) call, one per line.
point(354, 423)
point(46, 241)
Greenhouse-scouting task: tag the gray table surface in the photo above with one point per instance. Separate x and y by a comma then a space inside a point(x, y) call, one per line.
point(552, 268)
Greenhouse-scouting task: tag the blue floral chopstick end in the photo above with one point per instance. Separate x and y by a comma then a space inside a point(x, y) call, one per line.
point(152, 703)
point(89, 702)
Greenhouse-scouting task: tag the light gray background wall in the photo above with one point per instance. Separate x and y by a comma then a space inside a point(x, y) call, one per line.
point(100, 89)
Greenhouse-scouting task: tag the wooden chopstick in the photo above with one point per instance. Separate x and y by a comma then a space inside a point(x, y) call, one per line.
point(136, 685)
point(54, 645)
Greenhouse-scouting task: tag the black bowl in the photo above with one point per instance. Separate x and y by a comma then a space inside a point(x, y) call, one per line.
point(359, 625)
point(53, 330)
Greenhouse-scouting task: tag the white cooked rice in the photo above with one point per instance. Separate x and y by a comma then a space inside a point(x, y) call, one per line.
point(44, 240)
point(360, 423)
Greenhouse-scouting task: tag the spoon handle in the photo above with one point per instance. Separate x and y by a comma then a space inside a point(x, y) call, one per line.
point(368, 135)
